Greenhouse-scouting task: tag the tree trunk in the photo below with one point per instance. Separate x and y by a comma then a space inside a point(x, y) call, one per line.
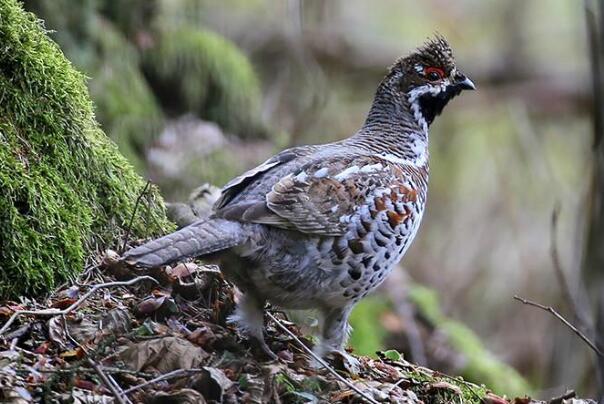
point(593, 262)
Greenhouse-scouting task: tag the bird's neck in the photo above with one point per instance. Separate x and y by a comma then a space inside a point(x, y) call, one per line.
point(395, 127)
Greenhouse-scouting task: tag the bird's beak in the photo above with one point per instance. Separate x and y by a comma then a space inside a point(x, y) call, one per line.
point(464, 83)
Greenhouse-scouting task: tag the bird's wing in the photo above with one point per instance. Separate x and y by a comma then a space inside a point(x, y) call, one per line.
point(238, 184)
point(322, 196)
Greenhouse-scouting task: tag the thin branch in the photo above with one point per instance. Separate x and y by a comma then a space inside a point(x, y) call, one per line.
point(75, 305)
point(138, 201)
point(113, 387)
point(170, 375)
point(564, 321)
point(320, 360)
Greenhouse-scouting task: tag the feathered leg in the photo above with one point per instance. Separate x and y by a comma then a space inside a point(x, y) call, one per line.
point(249, 319)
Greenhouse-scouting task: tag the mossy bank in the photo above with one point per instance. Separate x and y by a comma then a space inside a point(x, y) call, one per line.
point(64, 188)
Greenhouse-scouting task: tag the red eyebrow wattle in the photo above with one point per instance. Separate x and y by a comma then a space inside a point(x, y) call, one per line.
point(436, 70)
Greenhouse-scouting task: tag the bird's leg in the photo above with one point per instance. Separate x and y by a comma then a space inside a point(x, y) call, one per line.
point(335, 331)
point(249, 319)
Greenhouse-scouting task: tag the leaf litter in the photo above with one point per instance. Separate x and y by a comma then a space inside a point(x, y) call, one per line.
point(168, 342)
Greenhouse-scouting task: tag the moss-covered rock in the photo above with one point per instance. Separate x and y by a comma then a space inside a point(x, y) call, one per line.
point(64, 188)
point(193, 70)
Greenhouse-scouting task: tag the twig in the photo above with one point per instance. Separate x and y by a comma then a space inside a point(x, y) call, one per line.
point(75, 305)
point(170, 375)
point(138, 201)
point(117, 392)
point(320, 360)
point(563, 320)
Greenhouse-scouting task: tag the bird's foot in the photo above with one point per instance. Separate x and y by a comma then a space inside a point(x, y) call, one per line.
point(261, 345)
point(341, 359)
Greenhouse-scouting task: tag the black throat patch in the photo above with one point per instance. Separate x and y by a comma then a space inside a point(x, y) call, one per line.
point(431, 105)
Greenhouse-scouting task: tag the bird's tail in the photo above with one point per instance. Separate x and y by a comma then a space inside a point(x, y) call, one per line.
point(197, 239)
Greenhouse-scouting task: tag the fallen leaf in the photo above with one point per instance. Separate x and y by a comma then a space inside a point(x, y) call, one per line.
point(491, 398)
point(85, 384)
point(212, 383)
point(116, 321)
point(182, 396)
point(43, 348)
point(286, 355)
point(56, 331)
point(23, 393)
point(150, 305)
point(70, 293)
point(6, 311)
point(164, 354)
point(442, 385)
point(393, 355)
point(63, 303)
point(183, 270)
point(73, 354)
point(202, 336)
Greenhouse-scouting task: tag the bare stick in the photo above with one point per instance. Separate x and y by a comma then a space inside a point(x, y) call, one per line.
point(75, 305)
point(320, 360)
point(170, 375)
point(138, 201)
point(563, 320)
point(110, 384)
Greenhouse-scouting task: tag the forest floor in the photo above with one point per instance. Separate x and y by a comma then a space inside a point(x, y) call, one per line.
point(116, 335)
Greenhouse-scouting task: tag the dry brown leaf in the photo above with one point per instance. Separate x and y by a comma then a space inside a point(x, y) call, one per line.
point(213, 383)
point(442, 385)
point(85, 384)
point(164, 354)
point(491, 398)
point(182, 396)
point(64, 303)
point(150, 305)
point(202, 336)
point(73, 354)
point(182, 270)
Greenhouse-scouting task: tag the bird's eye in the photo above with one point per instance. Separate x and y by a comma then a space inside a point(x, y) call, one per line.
point(434, 73)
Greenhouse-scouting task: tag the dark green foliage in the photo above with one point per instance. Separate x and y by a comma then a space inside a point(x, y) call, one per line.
point(190, 70)
point(124, 105)
point(480, 363)
point(64, 188)
point(201, 72)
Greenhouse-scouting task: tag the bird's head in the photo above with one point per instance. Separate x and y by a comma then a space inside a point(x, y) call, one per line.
point(428, 79)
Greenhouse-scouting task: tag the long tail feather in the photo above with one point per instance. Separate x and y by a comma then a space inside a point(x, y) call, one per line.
point(197, 239)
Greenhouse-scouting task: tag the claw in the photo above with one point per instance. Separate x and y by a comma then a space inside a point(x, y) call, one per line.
point(346, 362)
point(262, 345)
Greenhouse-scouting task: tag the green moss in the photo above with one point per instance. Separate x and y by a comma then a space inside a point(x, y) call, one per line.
point(480, 365)
point(201, 72)
point(64, 188)
point(470, 393)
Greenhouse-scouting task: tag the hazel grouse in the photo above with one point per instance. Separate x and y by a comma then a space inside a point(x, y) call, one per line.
point(321, 226)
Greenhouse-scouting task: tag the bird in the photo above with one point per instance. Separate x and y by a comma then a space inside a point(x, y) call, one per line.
point(321, 226)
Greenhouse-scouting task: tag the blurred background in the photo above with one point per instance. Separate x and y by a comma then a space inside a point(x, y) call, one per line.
point(199, 91)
